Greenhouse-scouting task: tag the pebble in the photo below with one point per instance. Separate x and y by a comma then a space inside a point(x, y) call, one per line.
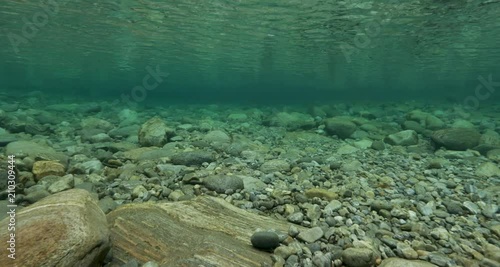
point(265, 240)
point(310, 235)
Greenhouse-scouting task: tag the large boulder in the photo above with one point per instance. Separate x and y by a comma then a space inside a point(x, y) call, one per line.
point(65, 229)
point(204, 231)
point(456, 138)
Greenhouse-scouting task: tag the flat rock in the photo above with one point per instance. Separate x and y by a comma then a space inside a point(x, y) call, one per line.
point(65, 229)
point(310, 235)
point(204, 231)
point(397, 262)
point(34, 150)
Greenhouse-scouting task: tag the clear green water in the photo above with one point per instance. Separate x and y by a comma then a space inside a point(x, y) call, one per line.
point(251, 51)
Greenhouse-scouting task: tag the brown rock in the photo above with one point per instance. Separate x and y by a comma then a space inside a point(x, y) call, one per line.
point(65, 229)
point(205, 231)
point(46, 167)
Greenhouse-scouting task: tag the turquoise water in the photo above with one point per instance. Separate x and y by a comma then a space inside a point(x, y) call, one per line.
point(233, 51)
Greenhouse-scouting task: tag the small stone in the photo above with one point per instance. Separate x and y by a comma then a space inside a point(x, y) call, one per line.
point(275, 165)
point(472, 207)
point(310, 235)
point(191, 158)
point(265, 240)
point(293, 231)
point(358, 257)
point(403, 138)
point(297, 218)
point(488, 169)
point(154, 132)
point(35, 196)
point(378, 145)
point(64, 183)
point(440, 259)
point(332, 207)
point(217, 137)
point(320, 193)
point(341, 127)
point(221, 183)
point(407, 251)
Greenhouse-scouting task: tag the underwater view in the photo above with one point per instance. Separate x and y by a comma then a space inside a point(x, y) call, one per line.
point(191, 133)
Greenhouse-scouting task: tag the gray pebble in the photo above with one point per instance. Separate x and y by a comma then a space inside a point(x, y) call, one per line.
point(265, 240)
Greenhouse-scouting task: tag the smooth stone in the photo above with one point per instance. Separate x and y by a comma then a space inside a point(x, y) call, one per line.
point(221, 183)
point(456, 138)
point(341, 127)
point(191, 158)
point(265, 240)
point(217, 136)
point(358, 257)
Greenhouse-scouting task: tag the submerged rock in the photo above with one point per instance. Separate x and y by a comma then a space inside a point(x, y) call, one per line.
point(456, 138)
point(34, 150)
point(396, 262)
point(292, 121)
point(190, 158)
point(221, 183)
point(265, 240)
point(358, 257)
point(343, 128)
point(403, 138)
point(65, 229)
point(154, 132)
point(204, 231)
point(45, 167)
